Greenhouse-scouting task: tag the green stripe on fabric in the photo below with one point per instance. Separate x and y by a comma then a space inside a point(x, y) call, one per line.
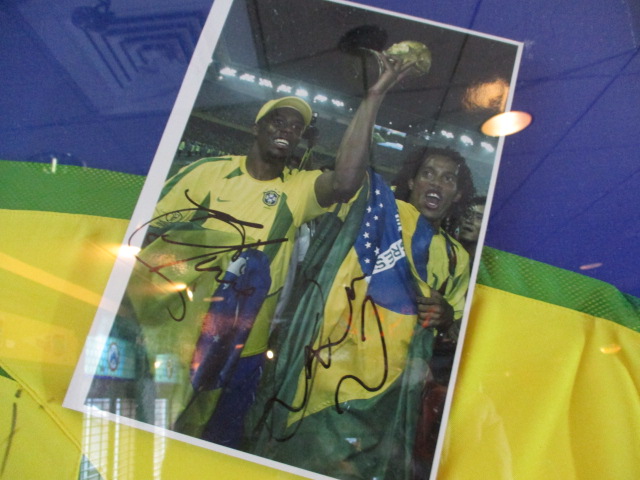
point(279, 229)
point(532, 279)
point(68, 189)
point(236, 173)
point(176, 178)
point(3, 373)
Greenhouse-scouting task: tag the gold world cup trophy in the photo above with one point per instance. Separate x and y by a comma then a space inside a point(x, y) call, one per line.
point(406, 52)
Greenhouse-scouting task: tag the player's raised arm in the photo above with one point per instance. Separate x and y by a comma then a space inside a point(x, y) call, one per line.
point(353, 155)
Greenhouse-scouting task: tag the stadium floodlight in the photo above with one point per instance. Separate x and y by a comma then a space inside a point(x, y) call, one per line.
point(284, 88)
point(468, 141)
point(488, 147)
point(446, 133)
point(247, 77)
point(228, 72)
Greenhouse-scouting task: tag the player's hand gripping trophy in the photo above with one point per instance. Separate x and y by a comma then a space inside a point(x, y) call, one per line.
point(405, 53)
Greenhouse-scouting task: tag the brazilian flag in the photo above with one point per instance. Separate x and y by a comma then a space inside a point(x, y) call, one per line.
point(341, 395)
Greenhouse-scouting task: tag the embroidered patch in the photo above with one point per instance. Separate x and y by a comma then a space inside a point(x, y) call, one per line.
point(270, 198)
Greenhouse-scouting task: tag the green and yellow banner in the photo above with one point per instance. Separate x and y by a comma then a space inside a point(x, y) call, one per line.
point(547, 388)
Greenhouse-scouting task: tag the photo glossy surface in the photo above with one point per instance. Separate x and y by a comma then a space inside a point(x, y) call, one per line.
point(254, 320)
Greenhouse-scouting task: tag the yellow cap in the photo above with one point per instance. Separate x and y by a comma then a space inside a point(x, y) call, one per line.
point(296, 103)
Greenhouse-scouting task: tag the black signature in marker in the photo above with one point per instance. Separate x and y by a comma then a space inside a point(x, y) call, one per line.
point(313, 357)
point(204, 261)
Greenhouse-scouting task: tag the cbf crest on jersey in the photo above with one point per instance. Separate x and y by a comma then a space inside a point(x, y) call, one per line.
point(270, 198)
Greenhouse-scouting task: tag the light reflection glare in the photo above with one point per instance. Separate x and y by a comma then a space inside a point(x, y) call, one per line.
point(213, 299)
point(487, 95)
point(270, 354)
point(590, 266)
point(50, 280)
point(610, 349)
point(506, 123)
point(128, 251)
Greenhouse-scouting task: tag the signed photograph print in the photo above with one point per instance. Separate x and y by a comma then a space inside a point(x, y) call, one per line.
point(302, 253)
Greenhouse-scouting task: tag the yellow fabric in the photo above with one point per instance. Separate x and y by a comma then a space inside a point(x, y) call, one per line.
point(32, 446)
point(55, 266)
point(438, 270)
point(438, 274)
point(232, 190)
point(543, 392)
point(64, 264)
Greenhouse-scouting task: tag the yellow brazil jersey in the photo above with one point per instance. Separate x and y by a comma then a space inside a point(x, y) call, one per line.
point(208, 213)
point(448, 265)
point(274, 208)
